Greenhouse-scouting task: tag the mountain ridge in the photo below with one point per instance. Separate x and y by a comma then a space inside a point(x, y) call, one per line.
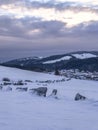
point(82, 60)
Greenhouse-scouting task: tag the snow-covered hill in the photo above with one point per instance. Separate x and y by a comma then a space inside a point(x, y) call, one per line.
point(76, 55)
point(18, 74)
point(86, 61)
point(58, 60)
point(84, 55)
point(25, 111)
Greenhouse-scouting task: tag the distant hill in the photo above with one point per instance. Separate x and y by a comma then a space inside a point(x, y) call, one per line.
point(87, 61)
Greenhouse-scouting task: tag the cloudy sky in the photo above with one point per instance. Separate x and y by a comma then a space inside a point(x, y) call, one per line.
point(45, 27)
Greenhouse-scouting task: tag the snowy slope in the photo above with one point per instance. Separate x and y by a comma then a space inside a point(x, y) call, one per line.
point(24, 111)
point(84, 55)
point(63, 61)
point(54, 61)
point(18, 74)
point(79, 56)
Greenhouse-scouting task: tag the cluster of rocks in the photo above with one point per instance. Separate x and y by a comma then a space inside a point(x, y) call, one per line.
point(7, 89)
point(22, 89)
point(40, 91)
point(6, 81)
point(51, 81)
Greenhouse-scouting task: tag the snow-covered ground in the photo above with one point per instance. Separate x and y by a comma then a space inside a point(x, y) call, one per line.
point(25, 111)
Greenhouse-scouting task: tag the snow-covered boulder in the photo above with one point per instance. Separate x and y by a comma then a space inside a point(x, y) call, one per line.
point(1, 87)
point(22, 89)
point(8, 89)
point(79, 97)
point(41, 91)
point(54, 92)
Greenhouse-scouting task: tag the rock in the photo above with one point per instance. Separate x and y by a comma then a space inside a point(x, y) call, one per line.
point(20, 82)
point(1, 87)
point(7, 83)
point(54, 92)
point(9, 89)
point(68, 79)
point(41, 91)
point(79, 97)
point(6, 79)
point(22, 89)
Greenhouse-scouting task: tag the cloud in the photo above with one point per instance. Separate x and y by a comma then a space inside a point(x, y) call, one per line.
point(45, 27)
point(29, 27)
point(50, 4)
point(34, 28)
point(86, 29)
point(71, 13)
point(6, 2)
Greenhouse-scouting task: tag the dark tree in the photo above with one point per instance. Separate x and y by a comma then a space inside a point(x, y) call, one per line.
point(57, 72)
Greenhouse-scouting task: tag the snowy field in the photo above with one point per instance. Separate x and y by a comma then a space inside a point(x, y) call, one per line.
point(25, 111)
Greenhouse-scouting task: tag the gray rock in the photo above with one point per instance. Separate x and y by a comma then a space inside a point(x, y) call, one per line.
point(22, 89)
point(9, 89)
point(79, 97)
point(41, 91)
point(1, 87)
point(54, 92)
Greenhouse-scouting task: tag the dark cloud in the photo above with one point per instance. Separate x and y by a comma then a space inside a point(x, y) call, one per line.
point(50, 4)
point(38, 4)
point(22, 27)
point(85, 29)
point(60, 6)
point(92, 28)
point(5, 2)
point(16, 27)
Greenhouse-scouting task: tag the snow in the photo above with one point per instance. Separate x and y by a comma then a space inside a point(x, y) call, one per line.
point(17, 74)
point(57, 60)
point(79, 56)
point(84, 55)
point(25, 111)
